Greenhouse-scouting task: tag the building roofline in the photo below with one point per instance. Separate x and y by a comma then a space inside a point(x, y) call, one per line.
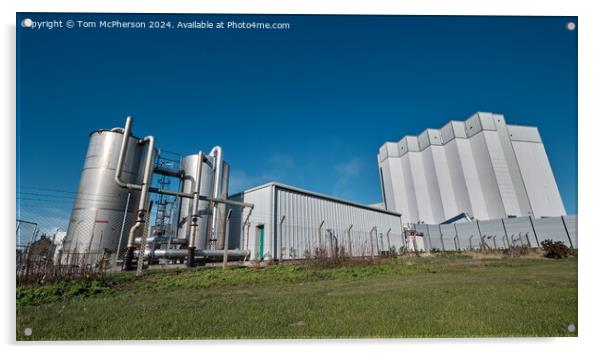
point(458, 121)
point(314, 194)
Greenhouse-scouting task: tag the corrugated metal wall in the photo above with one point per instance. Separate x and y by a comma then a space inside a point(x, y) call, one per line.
point(312, 222)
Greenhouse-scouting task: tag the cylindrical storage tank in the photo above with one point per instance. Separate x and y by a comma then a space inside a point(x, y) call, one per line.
point(99, 212)
point(222, 209)
point(189, 168)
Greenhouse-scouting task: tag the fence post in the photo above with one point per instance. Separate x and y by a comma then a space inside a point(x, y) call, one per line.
point(505, 231)
point(125, 214)
point(534, 232)
point(349, 241)
point(226, 237)
point(320, 237)
point(142, 248)
point(389, 239)
point(442, 243)
point(470, 241)
point(457, 238)
point(528, 239)
point(428, 233)
point(371, 242)
point(566, 230)
point(280, 248)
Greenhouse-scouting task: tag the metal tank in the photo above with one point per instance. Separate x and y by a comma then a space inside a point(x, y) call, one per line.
point(222, 209)
point(99, 218)
point(189, 168)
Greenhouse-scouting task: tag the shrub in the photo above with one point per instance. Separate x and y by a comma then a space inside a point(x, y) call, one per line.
point(554, 249)
point(392, 252)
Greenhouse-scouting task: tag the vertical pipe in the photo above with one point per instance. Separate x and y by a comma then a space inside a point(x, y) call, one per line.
point(218, 160)
point(142, 249)
point(248, 230)
point(122, 152)
point(566, 230)
point(148, 171)
point(226, 237)
point(247, 225)
point(195, 210)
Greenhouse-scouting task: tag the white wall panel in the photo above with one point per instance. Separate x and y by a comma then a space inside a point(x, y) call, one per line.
point(505, 184)
point(407, 190)
point(458, 180)
point(539, 180)
point(488, 182)
point(445, 182)
point(472, 179)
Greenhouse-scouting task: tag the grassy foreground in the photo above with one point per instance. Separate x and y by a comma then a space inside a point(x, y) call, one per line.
point(405, 297)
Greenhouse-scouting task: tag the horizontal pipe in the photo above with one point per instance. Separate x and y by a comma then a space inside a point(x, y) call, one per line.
point(182, 253)
point(168, 172)
point(162, 239)
point(201, 197)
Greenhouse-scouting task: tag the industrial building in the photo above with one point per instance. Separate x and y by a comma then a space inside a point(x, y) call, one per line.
point(111, 214)
point(481, 168)
point(304, 223)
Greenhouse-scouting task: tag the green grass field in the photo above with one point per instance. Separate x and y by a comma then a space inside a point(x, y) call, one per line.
point(406, 297)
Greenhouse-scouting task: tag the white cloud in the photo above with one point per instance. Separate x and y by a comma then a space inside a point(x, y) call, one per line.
point(346, 173)
point(350, 168)
point(274, 170)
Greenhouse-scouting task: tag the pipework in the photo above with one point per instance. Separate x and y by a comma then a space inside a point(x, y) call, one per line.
point(143, 188)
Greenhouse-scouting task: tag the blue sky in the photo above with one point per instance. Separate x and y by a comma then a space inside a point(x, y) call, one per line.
point(308, 106)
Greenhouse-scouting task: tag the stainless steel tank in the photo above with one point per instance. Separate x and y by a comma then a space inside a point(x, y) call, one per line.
point(99, 212)
point(189, 167)
point(222, 209)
